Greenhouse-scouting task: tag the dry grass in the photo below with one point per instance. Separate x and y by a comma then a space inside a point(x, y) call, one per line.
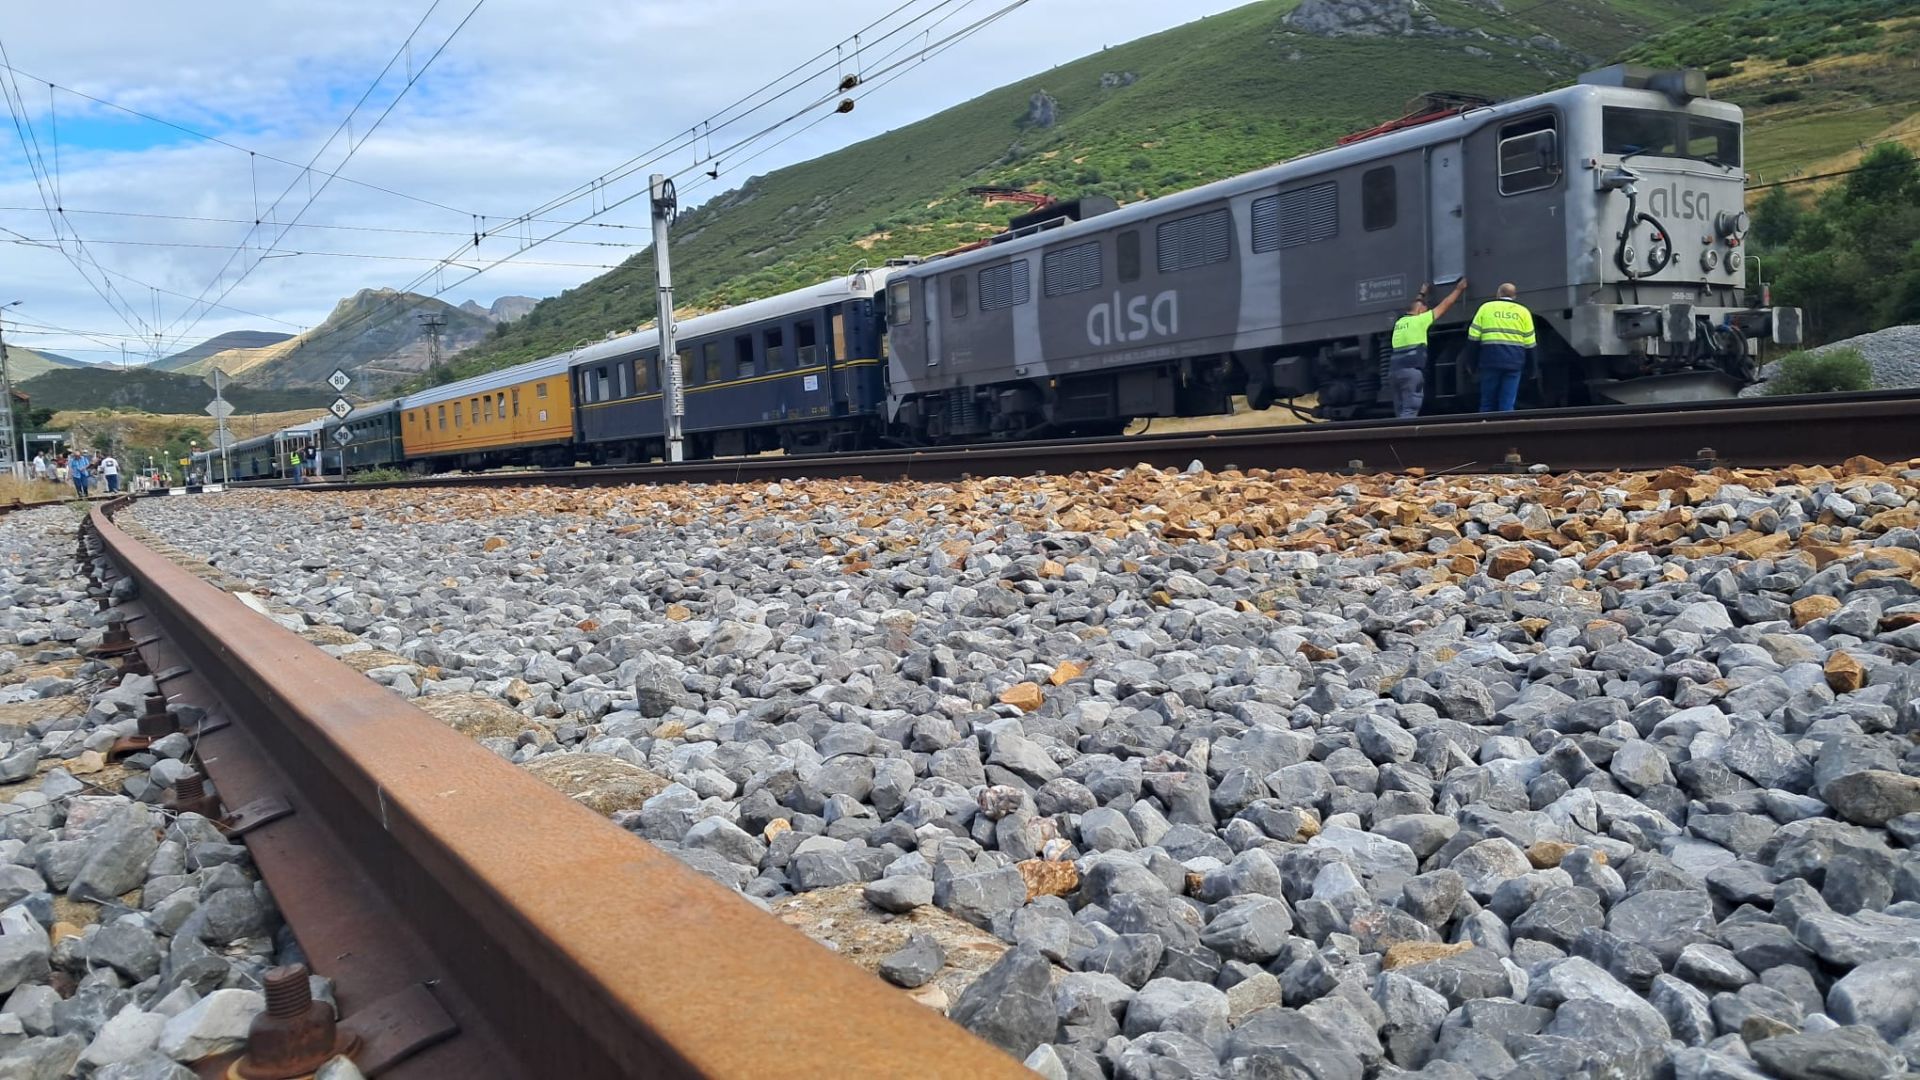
point(31, 491)
point(1241, 419)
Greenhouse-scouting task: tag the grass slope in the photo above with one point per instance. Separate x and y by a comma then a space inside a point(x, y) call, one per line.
point(375, 330)
point(233, 339)
point(24, 364)
point(147, 390)
point(1821, 81)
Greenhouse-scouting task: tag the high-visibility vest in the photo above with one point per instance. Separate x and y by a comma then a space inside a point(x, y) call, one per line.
point(296, 459)
point(1502, 322)
point(1411, 330)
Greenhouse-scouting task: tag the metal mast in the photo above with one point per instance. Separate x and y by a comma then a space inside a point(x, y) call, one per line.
point(432, 322)
point(674, 400)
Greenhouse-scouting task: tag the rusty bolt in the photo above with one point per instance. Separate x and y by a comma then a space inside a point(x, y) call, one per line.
point(1706, 453)
point(190, 797)
point(296, 1035)
point(1513, 458)
point(157, 721)
point(135, 664)
point(1356, 464)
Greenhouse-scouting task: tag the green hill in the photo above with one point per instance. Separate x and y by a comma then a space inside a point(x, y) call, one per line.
point(147, 390)
point(233, 339)
point(1213, 98)
point(24, 364)
point(1821, 81)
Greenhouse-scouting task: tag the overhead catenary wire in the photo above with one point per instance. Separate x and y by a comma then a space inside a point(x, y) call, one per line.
point(673, 146)
point(353, 147)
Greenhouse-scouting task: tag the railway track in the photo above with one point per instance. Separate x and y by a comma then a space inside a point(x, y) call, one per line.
point(477, 923)
point(1745, 432)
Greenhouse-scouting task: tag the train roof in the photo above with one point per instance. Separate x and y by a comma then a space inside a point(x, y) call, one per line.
point(806, 298)
point(1310, 165)
point(491, 381)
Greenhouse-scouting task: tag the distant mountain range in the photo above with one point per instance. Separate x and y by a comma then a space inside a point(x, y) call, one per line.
point(24, 364)
point(100, 386)
point(233, 339)
point(376, 335)
point(504, 310)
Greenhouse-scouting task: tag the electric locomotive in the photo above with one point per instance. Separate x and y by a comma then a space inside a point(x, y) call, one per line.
point(1616, 206)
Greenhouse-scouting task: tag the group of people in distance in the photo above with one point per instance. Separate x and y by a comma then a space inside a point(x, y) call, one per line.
point(80, 468)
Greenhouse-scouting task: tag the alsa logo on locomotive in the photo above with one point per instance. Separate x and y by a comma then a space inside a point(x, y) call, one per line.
point(1677, 202)
point(1117, 321)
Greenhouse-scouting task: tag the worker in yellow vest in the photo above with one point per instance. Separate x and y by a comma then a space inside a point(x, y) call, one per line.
point(1407, 366)
point(1503, 329)
point(299, 469)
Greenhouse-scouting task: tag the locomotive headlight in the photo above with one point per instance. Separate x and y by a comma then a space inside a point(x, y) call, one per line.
point(1735, 260)
point(1732, 224)
point(1709, 259)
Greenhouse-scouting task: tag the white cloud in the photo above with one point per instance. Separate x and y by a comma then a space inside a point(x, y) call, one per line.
point(529, 100)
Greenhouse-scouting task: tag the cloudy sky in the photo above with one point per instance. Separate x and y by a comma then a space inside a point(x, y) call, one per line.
point(527, 101)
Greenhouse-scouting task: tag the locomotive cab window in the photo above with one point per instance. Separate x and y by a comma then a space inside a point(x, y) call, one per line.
point(1126, 255)
point(1529, 155)
point(806, 342)
point(1379, 199)
point(900, 303)
point(1653, 133)
point(957, 296)
point(743, 356)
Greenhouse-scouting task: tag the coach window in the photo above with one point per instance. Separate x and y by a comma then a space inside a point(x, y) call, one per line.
point(457, 410)
point(643, 375)
point(900, 303)
point(443, 418)
point(806, 342)
point(743, 365)
point(487, 409)
point(540, 389)
point(1379, 199)
point(710, 360)
point(1529, 155)
point(1127, 254)
point(774, 340)
point(839, 341)
point(688, 368)
point(516, 402)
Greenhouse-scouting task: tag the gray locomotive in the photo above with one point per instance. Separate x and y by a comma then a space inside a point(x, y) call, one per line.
point(1616, 205)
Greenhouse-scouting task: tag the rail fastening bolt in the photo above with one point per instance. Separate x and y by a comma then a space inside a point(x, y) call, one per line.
point(296, 1035)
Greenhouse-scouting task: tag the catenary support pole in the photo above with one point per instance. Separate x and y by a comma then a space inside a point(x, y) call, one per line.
point(673, 401)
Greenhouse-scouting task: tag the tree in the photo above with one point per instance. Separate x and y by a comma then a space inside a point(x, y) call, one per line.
point(1852, 260)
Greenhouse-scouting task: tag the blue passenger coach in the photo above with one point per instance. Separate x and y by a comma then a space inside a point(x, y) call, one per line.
point(803, 372)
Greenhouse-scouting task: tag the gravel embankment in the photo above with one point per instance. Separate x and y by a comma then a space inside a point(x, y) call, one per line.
point(132, 940)
point(1893, 353)
point(1159, 775)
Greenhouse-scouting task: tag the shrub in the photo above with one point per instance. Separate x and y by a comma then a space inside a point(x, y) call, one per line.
point(1720, 71)
point(1834, 372)
point(1799, 59)
point(1777, 97)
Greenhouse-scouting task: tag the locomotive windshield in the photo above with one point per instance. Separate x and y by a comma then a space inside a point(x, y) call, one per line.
point(1651, 133)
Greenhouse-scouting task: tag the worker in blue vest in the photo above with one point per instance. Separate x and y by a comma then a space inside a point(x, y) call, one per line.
point(1407, 366)
point(1503, 329)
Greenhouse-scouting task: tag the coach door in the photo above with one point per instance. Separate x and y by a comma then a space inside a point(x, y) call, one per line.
point(1446, 214)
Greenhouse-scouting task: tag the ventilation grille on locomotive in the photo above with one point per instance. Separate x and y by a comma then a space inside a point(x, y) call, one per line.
point(1003, 286)
point(1199, 240)
point(1292, 218)
point(1071, 270)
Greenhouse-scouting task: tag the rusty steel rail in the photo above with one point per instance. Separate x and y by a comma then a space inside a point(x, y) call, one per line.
point(1741, 432)
point(478, 923)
